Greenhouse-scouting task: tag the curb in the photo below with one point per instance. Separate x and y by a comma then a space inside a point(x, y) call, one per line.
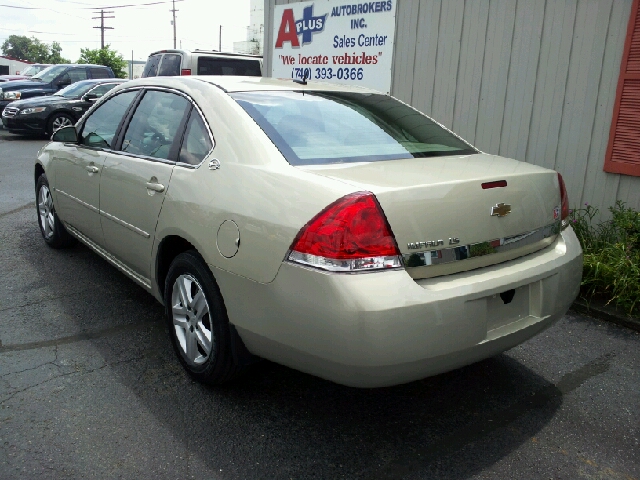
point(600, 310)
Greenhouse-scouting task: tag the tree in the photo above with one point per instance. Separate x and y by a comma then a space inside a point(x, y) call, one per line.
point(105, 56)
point(32, 50)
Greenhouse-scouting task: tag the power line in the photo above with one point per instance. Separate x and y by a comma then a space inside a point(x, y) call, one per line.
point(102, 27)
point(138, 4)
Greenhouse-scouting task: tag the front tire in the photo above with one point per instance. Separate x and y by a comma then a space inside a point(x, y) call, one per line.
point(51, 228)
point(197, 320)
point(58, 121)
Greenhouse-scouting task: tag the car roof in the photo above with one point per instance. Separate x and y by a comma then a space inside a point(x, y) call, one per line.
point(101, 80)
point(207, 52)
point(230, 83)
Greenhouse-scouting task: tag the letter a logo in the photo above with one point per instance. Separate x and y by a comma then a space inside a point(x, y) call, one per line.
point(287, 32)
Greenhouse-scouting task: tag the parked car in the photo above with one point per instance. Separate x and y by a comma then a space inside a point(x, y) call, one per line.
point(11, 78)
point(167, 63)
point(329, 228)
point(49, 81)
point(47, 114)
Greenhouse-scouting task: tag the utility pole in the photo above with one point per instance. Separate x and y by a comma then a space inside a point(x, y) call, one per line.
point(102, 27)
point(220, 40)
point(174, 22)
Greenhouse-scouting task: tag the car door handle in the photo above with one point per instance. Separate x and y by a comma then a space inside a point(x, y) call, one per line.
point(156, 187)
point(92, 169)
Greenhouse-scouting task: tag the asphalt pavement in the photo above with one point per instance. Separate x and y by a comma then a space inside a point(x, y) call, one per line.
point(90, 388)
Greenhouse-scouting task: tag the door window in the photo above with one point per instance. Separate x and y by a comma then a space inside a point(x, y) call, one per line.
point(100, 90)
point(151, 68)
point(170, 66)
point(197, 143)
point(100, 128)
point(154, 126)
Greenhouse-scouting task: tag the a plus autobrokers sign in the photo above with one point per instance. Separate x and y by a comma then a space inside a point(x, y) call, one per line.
point(334, 41)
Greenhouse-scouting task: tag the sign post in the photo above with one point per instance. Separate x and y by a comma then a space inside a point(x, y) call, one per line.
point(334, 41)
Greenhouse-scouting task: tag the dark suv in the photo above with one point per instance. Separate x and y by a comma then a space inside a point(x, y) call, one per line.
point(49, 81)
point(63, 108)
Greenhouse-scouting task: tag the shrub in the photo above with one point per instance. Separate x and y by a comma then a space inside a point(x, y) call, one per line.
point(611, 255)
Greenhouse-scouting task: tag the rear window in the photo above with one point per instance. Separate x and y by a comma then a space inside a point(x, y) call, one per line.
point(341, 127)
point(99, 73)
point(151, 68)
point(228, 66)
point(170, 66)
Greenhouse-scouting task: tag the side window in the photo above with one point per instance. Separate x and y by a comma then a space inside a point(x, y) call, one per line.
point(154, 126)
point(197, 142)
point(99, 73)
point(228, 66)
point(151, 68)
point(100, 128)
point(77, 74)
point(100, 90)
point(170, 65)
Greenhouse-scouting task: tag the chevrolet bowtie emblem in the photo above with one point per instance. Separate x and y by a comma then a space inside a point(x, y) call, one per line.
point(500, 210)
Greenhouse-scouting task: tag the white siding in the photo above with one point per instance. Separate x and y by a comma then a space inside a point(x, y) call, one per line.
point(529, 79)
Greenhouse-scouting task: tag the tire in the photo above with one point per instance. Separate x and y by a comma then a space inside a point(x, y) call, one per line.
point(198, 322)
point(51, 228)
point(59, 120)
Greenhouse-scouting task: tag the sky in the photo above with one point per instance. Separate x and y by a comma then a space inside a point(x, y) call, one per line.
point(140, 28)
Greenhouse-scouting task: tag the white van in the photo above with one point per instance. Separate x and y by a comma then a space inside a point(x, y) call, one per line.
point(169, 63)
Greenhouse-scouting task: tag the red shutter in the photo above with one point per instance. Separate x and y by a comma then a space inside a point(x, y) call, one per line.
point(623, 153)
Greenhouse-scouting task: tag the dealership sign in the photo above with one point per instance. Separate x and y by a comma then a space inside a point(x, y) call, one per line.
point(334, 41)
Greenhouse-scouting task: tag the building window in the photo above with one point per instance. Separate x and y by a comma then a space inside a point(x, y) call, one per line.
point(623, 152)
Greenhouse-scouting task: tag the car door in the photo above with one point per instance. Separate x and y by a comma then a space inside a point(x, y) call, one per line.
point(135, 178)
point(78, 167)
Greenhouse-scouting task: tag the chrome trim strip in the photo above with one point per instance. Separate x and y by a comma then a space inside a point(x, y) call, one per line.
point(145, 282)
point(105, 214)
point(124, 224)
point(427, 258)
point(85, 204)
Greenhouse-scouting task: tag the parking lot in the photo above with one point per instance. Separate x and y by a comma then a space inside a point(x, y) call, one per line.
point(90, 388)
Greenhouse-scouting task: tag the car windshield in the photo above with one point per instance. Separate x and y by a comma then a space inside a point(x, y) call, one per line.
point(75, 90)
point(341, 127)
point(49, 73)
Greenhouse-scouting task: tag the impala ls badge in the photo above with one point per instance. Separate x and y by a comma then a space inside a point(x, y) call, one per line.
point(500, 210)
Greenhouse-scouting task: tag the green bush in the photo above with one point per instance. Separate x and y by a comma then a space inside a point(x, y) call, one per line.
point(611, 255)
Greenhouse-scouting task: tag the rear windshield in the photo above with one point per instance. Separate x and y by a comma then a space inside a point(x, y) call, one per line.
point(314, 128)
point(228, 66)
point(151, 68)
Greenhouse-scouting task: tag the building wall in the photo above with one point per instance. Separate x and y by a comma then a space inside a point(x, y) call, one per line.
point(15, 66)
point(533, 80)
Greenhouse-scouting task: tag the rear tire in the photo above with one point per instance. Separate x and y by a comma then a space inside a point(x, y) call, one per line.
point(198, 322)
point(51, 228)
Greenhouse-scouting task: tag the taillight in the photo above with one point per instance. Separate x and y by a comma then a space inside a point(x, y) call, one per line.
point(564, 199)
point(185, 71)
point(350, 235)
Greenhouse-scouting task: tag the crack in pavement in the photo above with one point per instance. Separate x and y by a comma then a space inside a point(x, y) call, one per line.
point(13, 395)
point(16, 210)
point(448, 444)
point(76, 338)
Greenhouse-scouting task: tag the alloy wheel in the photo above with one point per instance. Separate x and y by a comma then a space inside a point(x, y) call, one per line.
point(60, 122)
point(46, 212)
point(191, 320)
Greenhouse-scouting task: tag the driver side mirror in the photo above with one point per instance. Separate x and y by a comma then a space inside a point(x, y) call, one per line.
point(90, 97)
point(65, 135)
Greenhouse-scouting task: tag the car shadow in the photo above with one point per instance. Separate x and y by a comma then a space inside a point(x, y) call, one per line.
point(276, 422)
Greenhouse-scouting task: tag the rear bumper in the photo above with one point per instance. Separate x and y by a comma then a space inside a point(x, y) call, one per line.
point(380, 329)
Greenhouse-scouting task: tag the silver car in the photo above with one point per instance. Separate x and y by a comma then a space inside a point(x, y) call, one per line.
point(332, 229)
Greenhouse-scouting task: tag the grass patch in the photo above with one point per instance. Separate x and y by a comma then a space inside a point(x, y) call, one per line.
point(611, 255)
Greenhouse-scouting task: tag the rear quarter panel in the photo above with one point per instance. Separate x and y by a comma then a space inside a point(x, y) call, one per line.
point(255, 187)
